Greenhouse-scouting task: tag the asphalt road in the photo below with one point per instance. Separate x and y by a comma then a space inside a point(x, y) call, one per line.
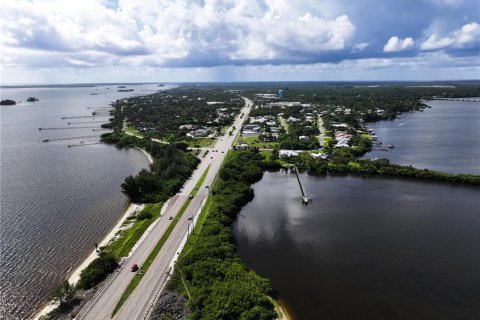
point(137, 305)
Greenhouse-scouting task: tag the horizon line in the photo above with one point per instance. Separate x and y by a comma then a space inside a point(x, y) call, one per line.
point(88, 84)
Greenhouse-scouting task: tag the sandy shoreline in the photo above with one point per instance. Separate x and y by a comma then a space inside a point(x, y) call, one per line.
point(148, 155)
point(75, 275)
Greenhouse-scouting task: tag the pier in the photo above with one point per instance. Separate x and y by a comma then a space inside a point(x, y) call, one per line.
point(65, 128)
point(305, 197)
point(83, 144)
point(86, 122)
point(102, 129)
point(456, 99)
point(72, 138)
point(79, 117)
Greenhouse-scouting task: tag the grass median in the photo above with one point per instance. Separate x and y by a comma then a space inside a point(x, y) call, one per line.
point(138, 277)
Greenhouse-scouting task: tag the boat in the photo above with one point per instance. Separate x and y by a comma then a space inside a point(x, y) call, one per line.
point(391, 146)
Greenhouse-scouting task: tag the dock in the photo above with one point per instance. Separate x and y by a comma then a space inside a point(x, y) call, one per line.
point(73, 138)
point(83, 144)
point(81, 117)
point(86, 122)
point(456, 99)
point(69, 128)
point(305, 197)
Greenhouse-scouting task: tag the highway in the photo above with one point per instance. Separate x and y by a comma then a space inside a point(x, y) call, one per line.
point(139, 302)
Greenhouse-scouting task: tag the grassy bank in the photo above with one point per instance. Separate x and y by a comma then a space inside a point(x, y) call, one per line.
point(128, 237)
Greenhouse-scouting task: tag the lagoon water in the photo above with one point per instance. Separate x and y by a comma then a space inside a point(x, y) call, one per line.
point(56, 202)
point(445, 137)
point(373, 248)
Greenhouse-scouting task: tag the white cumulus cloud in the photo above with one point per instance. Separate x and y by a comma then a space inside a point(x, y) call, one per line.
point(358, 47)
point(173, 33)
point(396, 44)
point(467, 36)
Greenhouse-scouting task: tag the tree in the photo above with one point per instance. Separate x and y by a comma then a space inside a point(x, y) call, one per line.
point(131, 188)
point(63, 293)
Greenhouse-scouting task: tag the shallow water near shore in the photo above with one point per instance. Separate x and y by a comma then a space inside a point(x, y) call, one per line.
point(372, 248)
point(56, 202)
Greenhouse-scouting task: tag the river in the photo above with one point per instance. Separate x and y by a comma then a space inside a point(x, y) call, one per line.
point(56, 202)
point(444, 137)
point(365, 248)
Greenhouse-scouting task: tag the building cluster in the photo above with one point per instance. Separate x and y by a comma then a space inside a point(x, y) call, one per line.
point(266, 126)
point(210, 129)
point(343, 139)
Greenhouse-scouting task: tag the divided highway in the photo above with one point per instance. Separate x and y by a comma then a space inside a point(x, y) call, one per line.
point(139, 302)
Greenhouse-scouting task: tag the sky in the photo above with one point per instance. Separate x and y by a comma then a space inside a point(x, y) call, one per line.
point(71, 41)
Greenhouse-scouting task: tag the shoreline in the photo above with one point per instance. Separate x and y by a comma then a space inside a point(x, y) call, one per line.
point(74, 276)
point(148, 155)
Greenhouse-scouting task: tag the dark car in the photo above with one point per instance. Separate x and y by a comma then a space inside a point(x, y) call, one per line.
point(134, 268)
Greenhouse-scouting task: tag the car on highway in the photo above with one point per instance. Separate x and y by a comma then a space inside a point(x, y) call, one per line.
point(134, 268)
point(190, 217)
point(170, 218)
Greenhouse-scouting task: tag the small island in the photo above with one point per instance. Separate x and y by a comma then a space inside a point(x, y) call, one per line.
point(32, 99)
point(7, 102)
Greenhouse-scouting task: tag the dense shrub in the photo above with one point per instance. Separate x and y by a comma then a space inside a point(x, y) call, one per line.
point(97, 271)
point(220, 285)
point(144, 215)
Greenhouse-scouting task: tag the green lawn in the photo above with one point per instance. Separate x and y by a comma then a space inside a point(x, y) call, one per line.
point(134, 132)
point(136, 280)
point(354, 165)
point(283, 122)
point(367, 136)
point(122, 245)
point(199, 142)
point(192, 239)
point(266, 154)
point(254, 141)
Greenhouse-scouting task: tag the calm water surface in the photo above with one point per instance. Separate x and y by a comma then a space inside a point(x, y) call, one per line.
point(56, 202)
point(445, 137)
point(366, 248)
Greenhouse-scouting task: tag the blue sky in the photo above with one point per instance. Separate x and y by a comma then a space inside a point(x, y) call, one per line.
point(58, 41)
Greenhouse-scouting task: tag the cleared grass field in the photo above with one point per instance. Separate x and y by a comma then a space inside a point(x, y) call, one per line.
point(199, 142)
point(254, 141)
point(134, 132)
